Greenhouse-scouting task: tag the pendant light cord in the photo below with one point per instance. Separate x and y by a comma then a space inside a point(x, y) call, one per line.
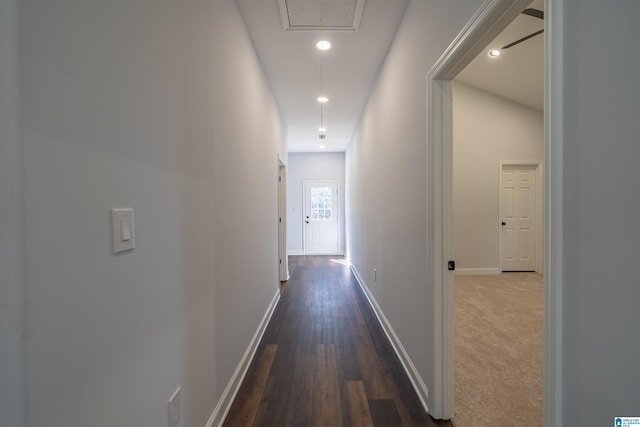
point(322, 132)
point(321, 94)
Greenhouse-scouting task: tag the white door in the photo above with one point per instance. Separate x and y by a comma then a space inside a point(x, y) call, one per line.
point(320, 218)
point(518, 223)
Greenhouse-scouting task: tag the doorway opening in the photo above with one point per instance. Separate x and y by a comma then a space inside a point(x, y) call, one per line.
point(497, 317)
point(488, 22)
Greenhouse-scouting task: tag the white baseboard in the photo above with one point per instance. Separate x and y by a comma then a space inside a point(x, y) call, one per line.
point(477, 271)
point(415, 378)
point(231, 390)
point(297, 252)
point(327, 254)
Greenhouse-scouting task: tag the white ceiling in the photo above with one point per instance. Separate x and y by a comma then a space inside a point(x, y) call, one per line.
point(292, 63)
point(518, 73)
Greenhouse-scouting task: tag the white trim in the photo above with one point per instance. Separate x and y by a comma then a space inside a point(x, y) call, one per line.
point(283, 263)
point(339, 253)
point(477, 271)
point(231, 390)
point(357, 17)
point(442, 401)
point(553, 148)
point(538, 208)
point(415, 378)
point(492, 17)
point(540, 220)
point(284, 16)
point(295, 252)
point(13, 273)
point(286, 24)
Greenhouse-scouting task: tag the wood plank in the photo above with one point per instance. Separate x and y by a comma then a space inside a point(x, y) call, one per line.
point(384, 413)
point(358, 404)
point(252, 395)
point(370, 367)
point(326, 408)
point(299, 410)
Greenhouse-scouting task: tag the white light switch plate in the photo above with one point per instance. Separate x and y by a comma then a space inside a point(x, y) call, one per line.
point(123, 234)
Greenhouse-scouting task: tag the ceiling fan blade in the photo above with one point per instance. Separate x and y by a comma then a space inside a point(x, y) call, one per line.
point(523, 39)
point(534, 12)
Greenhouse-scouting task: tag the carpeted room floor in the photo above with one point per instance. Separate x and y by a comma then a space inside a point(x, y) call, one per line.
point(498, 350)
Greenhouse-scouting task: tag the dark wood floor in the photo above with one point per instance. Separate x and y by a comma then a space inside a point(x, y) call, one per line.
point(324, 359)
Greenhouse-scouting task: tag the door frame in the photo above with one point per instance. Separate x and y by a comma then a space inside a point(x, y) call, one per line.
point(538, 167)
point(283, 260)
point(489, 20)
point(339, 245)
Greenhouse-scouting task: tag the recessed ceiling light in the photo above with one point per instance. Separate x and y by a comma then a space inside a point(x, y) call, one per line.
point(323, 99)
point(323, 45)
point(494, 53)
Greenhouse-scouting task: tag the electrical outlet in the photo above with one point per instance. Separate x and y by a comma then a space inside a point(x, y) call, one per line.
point(375, 275)
point(174, 408)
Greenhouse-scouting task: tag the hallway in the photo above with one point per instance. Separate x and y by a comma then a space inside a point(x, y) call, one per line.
point(324, 359)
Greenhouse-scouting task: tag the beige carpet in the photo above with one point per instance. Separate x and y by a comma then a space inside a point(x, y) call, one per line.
point(498, 350)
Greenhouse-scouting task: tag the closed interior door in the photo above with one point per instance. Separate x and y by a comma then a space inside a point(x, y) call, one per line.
point(321, 218)
point(518, 223)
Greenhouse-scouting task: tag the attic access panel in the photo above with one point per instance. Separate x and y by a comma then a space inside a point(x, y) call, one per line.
point(304, 15)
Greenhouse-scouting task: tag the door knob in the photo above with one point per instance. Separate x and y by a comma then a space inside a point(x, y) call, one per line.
point(307, 222)
point(504, 223)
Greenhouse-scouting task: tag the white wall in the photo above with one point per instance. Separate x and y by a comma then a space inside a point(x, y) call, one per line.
point(600, 286)
point(12, 316)
point(387, 177)
point(143, 104)
point(246, 182)
point(311, 166)
point(486, 130)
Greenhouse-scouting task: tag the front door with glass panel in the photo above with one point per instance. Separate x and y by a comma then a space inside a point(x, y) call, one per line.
point(320, 218)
